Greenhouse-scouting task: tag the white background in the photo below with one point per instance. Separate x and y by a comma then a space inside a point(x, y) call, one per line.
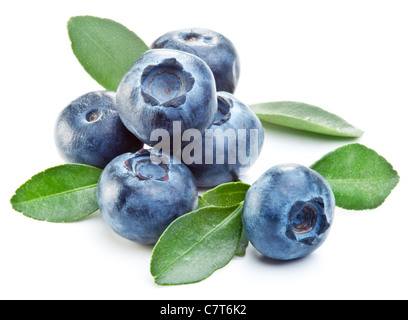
point(348, 57)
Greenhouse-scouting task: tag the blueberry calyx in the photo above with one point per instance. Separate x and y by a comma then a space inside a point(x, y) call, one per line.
point(307, 221)
point(191, 37)
point(165, 84)
point(93, 115)
point(143, 168)
point(147, 170)
point(196, 37)
point(172, 81)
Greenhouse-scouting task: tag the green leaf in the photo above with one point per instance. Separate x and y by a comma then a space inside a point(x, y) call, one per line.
point(305, 117)
point(60, 194)
point(105, 48)
point(226, 195)
point(360, 178)
point(196, 244)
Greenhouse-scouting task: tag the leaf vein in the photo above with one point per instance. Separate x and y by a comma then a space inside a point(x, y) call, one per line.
point(57, 194)
point(222, 223)
point(361, 180)
point(115, 61)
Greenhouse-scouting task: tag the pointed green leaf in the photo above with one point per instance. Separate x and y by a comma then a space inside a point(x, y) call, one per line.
point(60, 194)
point(360, 178)
point(226, 195)
point(196, 244)
point(105, 48)
point(305, 117)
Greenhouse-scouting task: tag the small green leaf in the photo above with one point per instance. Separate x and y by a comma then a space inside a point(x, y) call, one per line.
point(219, 195)
point(60, 194)
point(226, 195)
point(360, 178)
point(196, 244)
point(305, 117)
point(105, 48)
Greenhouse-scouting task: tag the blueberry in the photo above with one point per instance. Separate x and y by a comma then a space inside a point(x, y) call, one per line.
point(89, 131)
point(215, 49)
point(230, 146)
point(164, 86)
point(288, 212)
point(140, 194)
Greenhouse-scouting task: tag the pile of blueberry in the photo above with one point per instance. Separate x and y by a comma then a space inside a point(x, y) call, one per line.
point(178, 92)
